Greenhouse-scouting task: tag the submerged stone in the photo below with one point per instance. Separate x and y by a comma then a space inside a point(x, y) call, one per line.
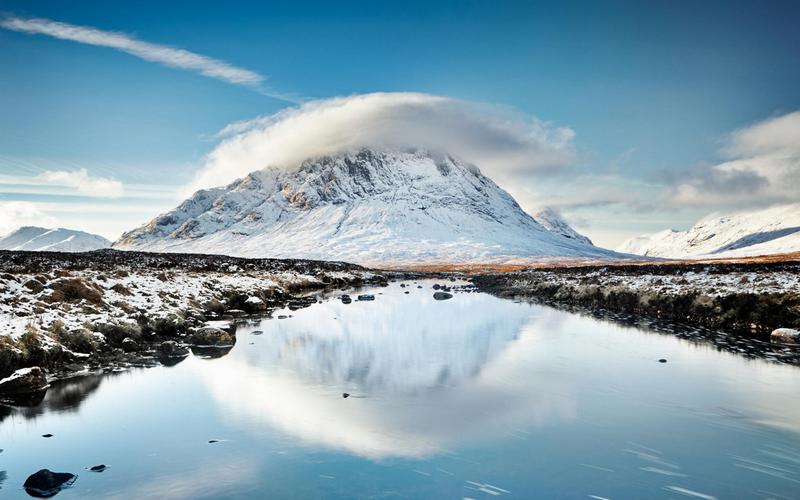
point(45, 483)
point(442, 295)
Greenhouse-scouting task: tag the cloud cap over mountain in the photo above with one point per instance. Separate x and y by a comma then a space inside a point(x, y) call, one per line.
point(496, 139)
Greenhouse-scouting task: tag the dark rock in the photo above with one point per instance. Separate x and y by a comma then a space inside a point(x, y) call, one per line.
point(129, 345)
point(346, 299)
point(785, 336)
point(173, 349)
point(662, 360)
point(47, 435)
point(24, 381)
point(98, 468)
point(212, 441)
point(256, 332)
point(345, 395)
point(45, 484)
point(34, 286)
point(436, 286)
point(419, 286)
point(442, 295)
point(366, 297)
point(406, 292)
point(209, 336)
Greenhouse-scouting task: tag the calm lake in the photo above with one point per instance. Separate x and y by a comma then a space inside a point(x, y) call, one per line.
point(472, 397)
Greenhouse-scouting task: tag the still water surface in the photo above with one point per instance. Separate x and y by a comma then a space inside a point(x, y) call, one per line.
point(473, 397)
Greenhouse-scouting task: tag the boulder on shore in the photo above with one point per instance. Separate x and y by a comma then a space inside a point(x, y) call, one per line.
point(210, 336)
point(24, 381)
point(785, 336)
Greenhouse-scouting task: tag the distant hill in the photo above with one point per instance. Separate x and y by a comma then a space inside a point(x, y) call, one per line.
point(763, 232)
point(52, 240)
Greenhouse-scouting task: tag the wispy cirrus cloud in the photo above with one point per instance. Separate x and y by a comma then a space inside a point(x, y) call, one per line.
point(161, 54)
point(84, 183)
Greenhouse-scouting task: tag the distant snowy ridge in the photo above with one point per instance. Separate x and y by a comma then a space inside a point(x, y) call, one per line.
point(368, 206)
point(52, 240)
point(774, 230)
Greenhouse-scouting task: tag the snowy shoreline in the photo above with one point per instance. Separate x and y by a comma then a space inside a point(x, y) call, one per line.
point(100, 310)
point(722, 302)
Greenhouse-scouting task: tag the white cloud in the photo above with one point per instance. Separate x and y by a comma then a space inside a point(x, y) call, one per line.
point(162, 54)
point(14, 214)
point(84, 183)
point(762, 167)
point(498, 140)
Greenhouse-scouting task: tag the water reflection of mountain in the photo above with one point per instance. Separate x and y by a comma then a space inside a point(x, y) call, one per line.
point(391, 345)
point(433, 376)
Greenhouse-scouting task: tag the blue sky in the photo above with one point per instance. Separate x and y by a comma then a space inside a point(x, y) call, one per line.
point(651, 90)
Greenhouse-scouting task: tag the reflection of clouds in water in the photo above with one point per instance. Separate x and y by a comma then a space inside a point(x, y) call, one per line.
point(772, 391)
point(396, 354)
point(211, 480)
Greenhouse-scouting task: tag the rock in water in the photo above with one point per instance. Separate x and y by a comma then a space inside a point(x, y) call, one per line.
point(98, 468)
point(366, 297)
point(345, 395)
point(45, 484)
point(785, 336)
point(209, 336)
point(442, 295)
point(24, 381)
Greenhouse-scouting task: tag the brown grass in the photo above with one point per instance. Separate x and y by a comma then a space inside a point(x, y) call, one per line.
point(572, 263)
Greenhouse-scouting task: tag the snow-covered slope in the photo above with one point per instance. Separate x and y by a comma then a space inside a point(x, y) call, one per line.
point(763, 232)
point(553, 221)
point(365, 207)
point(52, 240)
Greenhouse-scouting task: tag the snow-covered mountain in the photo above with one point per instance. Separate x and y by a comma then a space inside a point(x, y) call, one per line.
point(366, 207)
point(553, 221)
point(764, 232)
point(52, 240)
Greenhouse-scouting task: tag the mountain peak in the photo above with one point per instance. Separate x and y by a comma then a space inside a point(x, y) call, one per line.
point(553, 221)
point(366, 206)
